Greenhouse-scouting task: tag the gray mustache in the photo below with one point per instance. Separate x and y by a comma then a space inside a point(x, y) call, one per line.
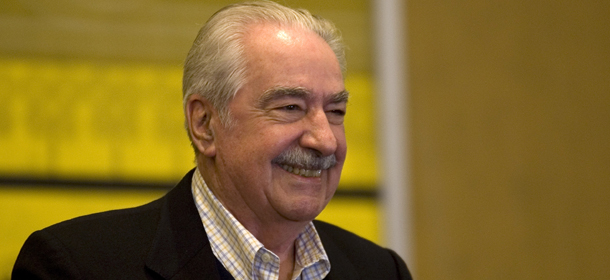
point(304, 158)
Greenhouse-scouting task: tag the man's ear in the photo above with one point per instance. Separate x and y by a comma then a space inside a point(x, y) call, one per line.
point(199, 114)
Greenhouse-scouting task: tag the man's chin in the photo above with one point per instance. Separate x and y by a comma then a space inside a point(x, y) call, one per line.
point(303, 211)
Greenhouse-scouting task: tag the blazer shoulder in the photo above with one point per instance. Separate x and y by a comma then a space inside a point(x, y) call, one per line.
point(113, 244)
point(348, 250)
point(87, 247)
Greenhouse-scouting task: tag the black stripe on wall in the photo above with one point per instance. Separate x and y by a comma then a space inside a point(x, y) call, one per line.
point(8, 181)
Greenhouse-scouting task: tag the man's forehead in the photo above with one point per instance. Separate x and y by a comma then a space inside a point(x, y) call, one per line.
point(284, 33)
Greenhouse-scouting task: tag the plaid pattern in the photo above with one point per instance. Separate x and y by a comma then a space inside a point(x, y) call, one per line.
point(242, 254)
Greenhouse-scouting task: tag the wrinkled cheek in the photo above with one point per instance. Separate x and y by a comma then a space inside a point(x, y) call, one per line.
point(341, 154)
point(333, 179)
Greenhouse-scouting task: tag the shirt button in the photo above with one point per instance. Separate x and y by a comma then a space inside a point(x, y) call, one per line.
point(266, 257)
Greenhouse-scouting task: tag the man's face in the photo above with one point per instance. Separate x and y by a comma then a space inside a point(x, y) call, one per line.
point(293, 100)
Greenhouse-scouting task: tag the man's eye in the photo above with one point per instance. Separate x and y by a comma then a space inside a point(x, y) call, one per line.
point(335, 116)
point(291, 107)
point(338, 112)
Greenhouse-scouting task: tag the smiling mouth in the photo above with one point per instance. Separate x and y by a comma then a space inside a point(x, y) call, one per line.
point(301, 171)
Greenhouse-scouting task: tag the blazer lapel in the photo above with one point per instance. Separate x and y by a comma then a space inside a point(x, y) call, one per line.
point(181, 249)
point(340, 266)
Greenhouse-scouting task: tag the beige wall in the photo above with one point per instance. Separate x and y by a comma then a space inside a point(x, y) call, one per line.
point(510, 131)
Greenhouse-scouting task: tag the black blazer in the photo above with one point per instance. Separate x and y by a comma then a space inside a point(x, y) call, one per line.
point(165, 239)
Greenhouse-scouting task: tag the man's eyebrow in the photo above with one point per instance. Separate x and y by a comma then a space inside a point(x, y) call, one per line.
point(340, 97)
point(280, 92)
point(297, 92)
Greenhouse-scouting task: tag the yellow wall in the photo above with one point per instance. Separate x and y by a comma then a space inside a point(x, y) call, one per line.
point(123, 121)
point(88, 88)
point(511, 132)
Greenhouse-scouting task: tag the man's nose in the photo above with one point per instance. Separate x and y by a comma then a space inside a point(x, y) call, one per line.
point(318, 134)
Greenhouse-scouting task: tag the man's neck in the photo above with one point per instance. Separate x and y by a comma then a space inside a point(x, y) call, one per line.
point(287, 266)
point(275, 235)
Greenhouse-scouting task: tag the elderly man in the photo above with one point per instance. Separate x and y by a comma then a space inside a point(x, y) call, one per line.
point(264, 102)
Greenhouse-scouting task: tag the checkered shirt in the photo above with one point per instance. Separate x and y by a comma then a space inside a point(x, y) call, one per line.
point(242, 254)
